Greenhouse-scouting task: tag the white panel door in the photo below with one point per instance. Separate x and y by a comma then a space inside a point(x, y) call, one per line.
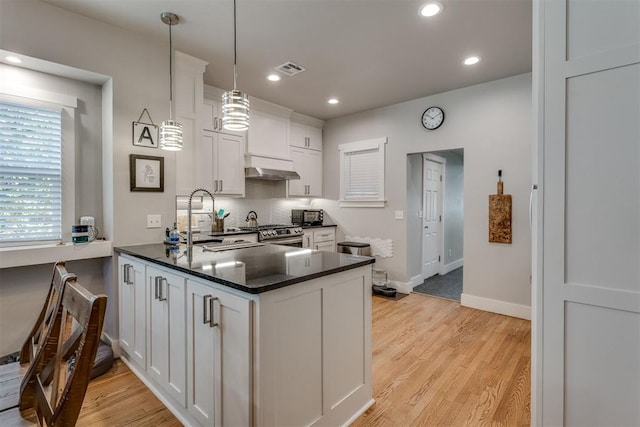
point(432, 190)
point(586, 324)
point(218, 356)
point(229, 163)
point(167, 329)
point(133, 310)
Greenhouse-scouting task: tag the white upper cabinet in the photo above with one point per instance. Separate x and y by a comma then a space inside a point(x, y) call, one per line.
point(212, 118)
point(268, 135)
point(305, 136)
point(308, 164)
point(305, 141)
point(222, 163)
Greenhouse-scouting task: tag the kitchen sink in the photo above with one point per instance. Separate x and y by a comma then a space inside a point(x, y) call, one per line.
point(228, 245)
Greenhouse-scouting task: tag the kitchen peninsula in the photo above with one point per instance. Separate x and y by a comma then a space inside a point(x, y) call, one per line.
point(263, 335)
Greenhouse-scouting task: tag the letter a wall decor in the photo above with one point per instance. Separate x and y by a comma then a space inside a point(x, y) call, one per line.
point(145, 134)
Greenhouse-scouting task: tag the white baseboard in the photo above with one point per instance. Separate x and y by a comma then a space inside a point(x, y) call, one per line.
point(446, 268)
point(115, 344)
point(416, 280)
point(403, 288)
point(496, 306)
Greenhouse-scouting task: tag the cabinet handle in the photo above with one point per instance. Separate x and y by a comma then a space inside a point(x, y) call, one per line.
point(156, 292)
point(125, 273)
point(212, 323)
point(215, 123)
point(216, 186)
point(205, 309)
point(221, 185)
point(162, 296)
point(128, 280)
point(220, 127)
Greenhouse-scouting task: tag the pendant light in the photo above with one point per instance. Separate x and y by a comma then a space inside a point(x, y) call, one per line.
point(170, 130)
point(235, 104)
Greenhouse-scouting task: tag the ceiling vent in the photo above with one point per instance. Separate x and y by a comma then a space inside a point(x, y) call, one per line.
point(290, 68)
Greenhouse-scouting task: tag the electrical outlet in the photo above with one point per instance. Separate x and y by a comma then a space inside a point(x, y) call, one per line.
point(153, 221)
point(449, 252)
point(399, 215)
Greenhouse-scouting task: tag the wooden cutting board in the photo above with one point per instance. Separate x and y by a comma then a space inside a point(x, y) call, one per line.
point(500, 218)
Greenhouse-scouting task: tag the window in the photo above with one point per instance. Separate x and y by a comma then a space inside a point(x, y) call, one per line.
point(362, 173)
point(36, 182)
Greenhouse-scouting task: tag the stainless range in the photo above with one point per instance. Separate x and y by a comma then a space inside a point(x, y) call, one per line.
point(278, 234)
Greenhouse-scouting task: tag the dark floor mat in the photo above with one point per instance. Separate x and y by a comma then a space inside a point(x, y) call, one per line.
point(448, 286)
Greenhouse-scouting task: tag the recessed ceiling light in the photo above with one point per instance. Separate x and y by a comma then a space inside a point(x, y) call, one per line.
point(333, 100)
point(13, 59)
point(472, 60)
point(431, 9)
point(273, 77)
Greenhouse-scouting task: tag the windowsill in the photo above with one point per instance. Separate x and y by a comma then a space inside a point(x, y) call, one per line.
point(19, 256)
point(362, 203)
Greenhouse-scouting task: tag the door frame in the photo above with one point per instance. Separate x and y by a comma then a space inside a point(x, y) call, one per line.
point(443, 162)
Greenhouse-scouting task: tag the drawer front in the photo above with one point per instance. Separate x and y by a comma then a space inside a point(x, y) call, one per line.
point(324, 235)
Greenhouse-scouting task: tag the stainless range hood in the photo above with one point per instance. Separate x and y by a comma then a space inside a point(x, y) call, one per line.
point(258, 166)
point(270, 174)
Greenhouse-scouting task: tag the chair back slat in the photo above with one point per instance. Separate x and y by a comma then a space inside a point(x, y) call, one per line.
point(59, 399)
point(39, 331)
point(42, 342)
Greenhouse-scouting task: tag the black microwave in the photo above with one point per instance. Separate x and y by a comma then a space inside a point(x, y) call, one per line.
point(307, 216)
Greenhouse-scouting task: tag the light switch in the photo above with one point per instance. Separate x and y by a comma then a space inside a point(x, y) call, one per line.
point(399, 215)
point(153, 221)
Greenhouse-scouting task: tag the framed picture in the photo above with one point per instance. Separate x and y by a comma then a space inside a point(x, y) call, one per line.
point(146, 173)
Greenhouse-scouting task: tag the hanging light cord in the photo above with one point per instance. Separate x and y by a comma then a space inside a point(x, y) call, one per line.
point(170, 72)
point(235, 49)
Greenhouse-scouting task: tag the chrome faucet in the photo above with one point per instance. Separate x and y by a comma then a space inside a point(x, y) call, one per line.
point(189, 233)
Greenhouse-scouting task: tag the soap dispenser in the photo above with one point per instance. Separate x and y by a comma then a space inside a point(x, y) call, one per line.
point(174, 235)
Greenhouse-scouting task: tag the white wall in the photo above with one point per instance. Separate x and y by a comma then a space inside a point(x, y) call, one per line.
point(137, 77)
point(492, 123)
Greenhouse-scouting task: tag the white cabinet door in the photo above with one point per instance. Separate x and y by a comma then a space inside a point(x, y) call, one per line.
point(313, 175)
point(212, 118)
point(268, 135)
point(324, 239)
point(230, 165)
point(298, 187)
point(308, 164)
point(307, 239)
point(325, 246)
point(218, 356)
point(133, 309)
point(167, 343)
point(222, 162)
point(304, 136)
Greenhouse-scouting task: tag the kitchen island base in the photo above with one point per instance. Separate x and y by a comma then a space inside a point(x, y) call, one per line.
point(296, 355)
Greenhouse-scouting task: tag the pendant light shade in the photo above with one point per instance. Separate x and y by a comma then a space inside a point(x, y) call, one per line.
point(170, 130)
point(235, 104)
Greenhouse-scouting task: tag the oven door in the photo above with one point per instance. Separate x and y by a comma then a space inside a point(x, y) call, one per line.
point(295, 242)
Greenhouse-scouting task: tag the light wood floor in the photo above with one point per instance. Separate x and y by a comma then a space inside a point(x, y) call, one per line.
point(434, 363)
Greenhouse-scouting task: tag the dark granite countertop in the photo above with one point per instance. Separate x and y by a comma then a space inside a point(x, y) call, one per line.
point(319, 226)
point(252, 270)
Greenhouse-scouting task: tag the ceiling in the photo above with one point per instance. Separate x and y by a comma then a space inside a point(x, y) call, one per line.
point(367, 53)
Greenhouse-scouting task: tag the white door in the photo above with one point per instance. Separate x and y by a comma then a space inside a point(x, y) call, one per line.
point(586, 325)
point(230, 164)
point(431, 197)
point(167, 344)
point(133, 309)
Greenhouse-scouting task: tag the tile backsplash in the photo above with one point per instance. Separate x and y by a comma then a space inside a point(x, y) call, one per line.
point(266, 198)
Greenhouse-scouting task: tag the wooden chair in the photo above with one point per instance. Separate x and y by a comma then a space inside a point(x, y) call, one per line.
point(57, 390)
point(11, 374)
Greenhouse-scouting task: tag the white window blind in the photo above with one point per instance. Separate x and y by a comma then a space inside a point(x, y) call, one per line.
point(363, 175)
point(30, 173)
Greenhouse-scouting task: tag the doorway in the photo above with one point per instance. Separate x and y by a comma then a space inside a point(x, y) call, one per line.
point(441, 224)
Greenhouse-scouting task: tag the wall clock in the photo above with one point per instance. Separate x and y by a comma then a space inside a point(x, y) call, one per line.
point(432, 118)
